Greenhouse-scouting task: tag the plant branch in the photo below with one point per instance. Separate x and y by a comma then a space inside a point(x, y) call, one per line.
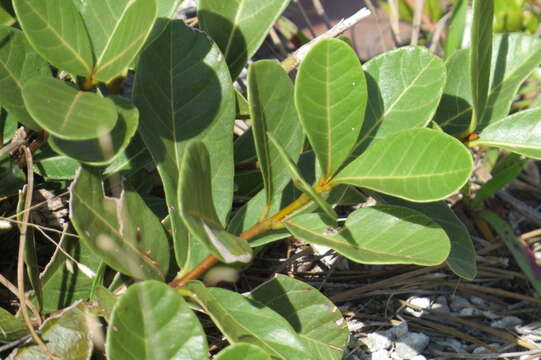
point(20, 259)
point(295, 59)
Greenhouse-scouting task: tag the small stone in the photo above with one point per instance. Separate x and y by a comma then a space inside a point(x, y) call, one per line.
point(399, 330)
point(480, 350)
point(477, 301)
point(377, 341)
point(422, 302)
point(452, 344)
point(469, 311)
point(418, 357)
point(458, 303)
point(380, 355)
point(410, 345)
point(490, 315)
point(506, 322)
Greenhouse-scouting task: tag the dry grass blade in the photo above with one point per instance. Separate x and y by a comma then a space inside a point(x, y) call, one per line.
point(20, 260)
point(417, 15)
point(517, 354)
point(394, 19)
point(321, 12)
point(435, 315)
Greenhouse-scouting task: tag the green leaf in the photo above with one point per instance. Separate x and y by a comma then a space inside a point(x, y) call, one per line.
point(197, 208)
point(299, 181)
point(522, 253)
point(399, 99)
point(514, 57)
point(150, 322)
point(117, 31)
point(420, 165)
point(66, 334)
point(457, 25)
point(168, 8)
point(242, 351)
point(239, 26)
point(243, 320)
point(11, 328)
point(461, 259)
point(183, 91)
point(8, 126)
point(106, 301)
point(55, 167)
point(315, 318)
point(480, 57)
point(104, 149)
point(66, 281)
point(18, 63)
point(67, 113)
point(520, 133)
point(57, 32)
point(122, 231)
point(331, 95)
point(272, 110)
point(370, 236)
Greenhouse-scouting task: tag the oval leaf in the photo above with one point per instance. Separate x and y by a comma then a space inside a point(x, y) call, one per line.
point(520, 133)
point(67, 335)
point(57, 31)
point(118, 30)
point(377, 235)
point(461, 259)
point(399, 99)
point(72, 115)
point(18, 63)
point(315, 318)
point(103, 150)
point(330, 95)
point(242, 351)
point(122, 231)
point(244, 320)
point(152, 322)
point(420, 165)
point(239, 26)
point(197, 208)
point(272, 109)
point(190, 96)
point(11, 328)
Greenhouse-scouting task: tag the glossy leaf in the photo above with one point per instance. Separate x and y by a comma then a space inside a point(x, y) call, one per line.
point(122, 231)
point(330, 95)
point(197, 208)
point(56, 167)
point(7, 17)
point(239, 26)
point(514, 57)
point(461, 259)
point(457, 25)
point(523, 254)
point(400, 99)
point(18, 63)
point(420, 165)
point(72, 114)
point(183, 91)
point(243, 320)
point(104, 149)
point(314, 317)
point(8, 126)
point(480, 56)
point(117, 31)
point(57, 32)
point(63, 280)
point(168, 8)
point(11, 327)
point(520, 133)
point(150, 322)
point(299, 181)
point(242, 351)
point(272, 110)
point(66, 334)
point(377, 235)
